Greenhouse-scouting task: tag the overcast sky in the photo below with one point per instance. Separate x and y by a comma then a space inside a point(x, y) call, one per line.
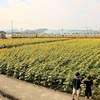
point(52, 14)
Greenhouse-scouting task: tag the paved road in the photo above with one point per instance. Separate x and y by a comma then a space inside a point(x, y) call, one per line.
point(27, 91)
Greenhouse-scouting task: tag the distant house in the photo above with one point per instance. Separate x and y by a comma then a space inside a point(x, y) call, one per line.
point(2, 34)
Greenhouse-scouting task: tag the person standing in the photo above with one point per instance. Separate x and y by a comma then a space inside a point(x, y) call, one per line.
point(88, 91)
point(76, 86)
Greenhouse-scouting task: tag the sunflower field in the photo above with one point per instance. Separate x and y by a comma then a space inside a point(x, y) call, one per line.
point(52, 63)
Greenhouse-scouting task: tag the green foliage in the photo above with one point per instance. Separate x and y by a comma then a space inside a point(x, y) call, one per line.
point(54, 65)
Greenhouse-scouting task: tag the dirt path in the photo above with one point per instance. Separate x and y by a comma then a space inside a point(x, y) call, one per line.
point(3, 98)
point(26, 91)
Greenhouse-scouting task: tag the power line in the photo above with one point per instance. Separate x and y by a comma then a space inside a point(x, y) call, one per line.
point(17, 23)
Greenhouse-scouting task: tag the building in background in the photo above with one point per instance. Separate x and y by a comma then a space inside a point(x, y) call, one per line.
point(2, 34)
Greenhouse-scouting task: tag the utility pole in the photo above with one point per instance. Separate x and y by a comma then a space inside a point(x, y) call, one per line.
point(87, 29)
point(99, 32)
point(62, 30)
point(21, 30)
point(12, 26)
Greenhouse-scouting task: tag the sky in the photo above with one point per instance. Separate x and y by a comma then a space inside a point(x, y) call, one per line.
point(51, 14)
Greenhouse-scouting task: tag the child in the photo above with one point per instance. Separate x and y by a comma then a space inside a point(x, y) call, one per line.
point(88, 84)
point(76, 86)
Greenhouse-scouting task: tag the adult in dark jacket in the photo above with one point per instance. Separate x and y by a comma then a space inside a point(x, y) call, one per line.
point(76, 86)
